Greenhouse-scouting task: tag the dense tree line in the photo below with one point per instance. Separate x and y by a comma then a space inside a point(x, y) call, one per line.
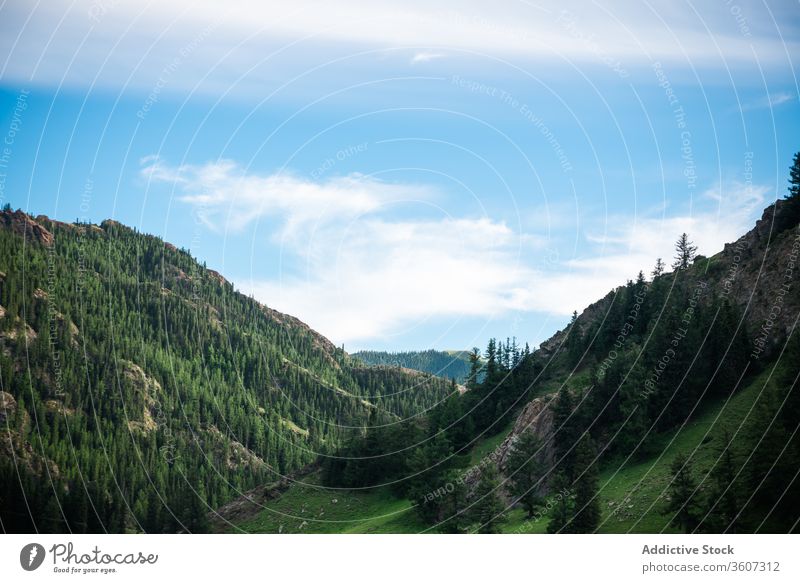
point(426, 458)
point(752, 484)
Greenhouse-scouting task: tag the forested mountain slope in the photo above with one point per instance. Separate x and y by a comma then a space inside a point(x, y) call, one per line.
point(648, 361)
point(139, 389)
point(655, 356)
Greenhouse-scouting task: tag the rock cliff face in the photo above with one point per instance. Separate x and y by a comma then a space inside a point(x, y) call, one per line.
point(759, 273)
point(22, 224)
point(537, 418)
point(14, 447)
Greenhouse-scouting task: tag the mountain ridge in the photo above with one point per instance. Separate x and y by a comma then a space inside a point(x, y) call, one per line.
point(453, 364)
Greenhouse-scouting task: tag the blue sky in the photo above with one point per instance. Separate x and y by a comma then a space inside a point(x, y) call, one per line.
point(403, 179)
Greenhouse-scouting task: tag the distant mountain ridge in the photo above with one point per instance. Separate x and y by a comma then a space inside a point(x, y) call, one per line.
point(451, 364)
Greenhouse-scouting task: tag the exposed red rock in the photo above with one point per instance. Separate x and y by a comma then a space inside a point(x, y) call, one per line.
point(23, 225)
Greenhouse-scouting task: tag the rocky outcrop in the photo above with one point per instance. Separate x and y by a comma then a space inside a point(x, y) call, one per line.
point(8, 406)
point(252, 502)
point(145, 409)
point(23, 225)
point(13, 446)
point(318, 340)
point(20, 332)
point(56, 407)
point(217, 276)
point(52, 224)
point(230, 452)
point(63, 322)
point(760, 273)
point(110, 225)
point(536, 417)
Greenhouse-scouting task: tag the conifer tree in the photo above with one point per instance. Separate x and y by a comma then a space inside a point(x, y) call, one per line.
point(574, 339)
point(682, 491)
point(562, 510)
point(454, 506)
point(488, 508)
point(658, 269)
point(587, 501)
point(492, 367)
point(794, 177)
point(475, 367)
point(724, 514)
point(525, 471)
point(685, 252)
point(792, 212)
point(566, 432)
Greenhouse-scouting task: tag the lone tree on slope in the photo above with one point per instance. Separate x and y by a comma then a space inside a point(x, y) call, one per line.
point(685, 252)
point(792, 213)
point(794, 178)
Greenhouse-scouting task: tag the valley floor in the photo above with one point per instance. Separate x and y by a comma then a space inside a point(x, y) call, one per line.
point(632, 491)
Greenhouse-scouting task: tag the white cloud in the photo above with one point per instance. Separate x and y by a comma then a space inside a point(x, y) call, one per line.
point(368, 274)
point(124, 41)
point(425, 56)
point(226, 197)
point(362, 273)
point(381, 278)
point(779, 98)
point(394, 276)
point(770, 101)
